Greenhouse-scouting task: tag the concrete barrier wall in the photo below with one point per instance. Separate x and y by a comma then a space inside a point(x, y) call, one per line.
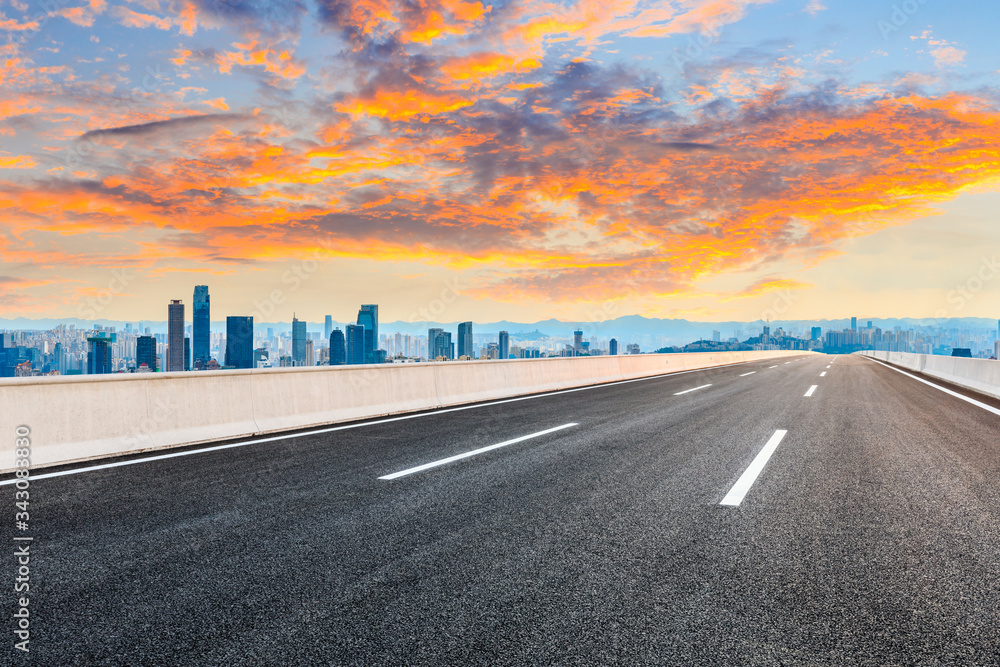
point(77, 418)
point(982, 375)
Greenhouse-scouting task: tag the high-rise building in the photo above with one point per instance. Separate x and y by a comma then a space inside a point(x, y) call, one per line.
point(439, 344)
point(716, 336)
point(98, 356)
point(310, 353)
point(432, 342)
point(338, 348)
point(577, 341)
point(355, 344)
point(817, 333)
point(327, 327)
point(613, 346)
point(187, 353)
point(298, 341)
point(175, 335)
point(465, 340)
point(201, 333)
point(145, 352)
point(239, 341)
point(504, 343)
point(368, 318)
point(854, 324)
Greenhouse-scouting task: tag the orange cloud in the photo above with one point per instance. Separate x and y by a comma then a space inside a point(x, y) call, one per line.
point(17, 162)
point(280, 63)
point(480, 66)
point(403, 104)
point(131, 19)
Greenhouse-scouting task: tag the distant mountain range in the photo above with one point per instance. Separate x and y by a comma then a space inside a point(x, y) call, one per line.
point(622, 327)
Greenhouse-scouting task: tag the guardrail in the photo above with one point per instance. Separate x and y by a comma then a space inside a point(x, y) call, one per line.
point(982, 375)
point(78, 418)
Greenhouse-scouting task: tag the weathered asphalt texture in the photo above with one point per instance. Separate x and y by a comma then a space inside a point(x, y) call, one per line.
point(872, 537)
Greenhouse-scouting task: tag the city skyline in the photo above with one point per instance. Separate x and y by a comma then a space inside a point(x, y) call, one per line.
point(702, 161)
point(102, 350)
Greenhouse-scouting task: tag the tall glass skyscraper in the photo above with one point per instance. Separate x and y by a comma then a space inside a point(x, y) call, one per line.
point(298, 341)
point(439, 344)
point(98, 356)
point(175, 335)
point(338, 348)
point(145, 352)
point(368, 318)
point(201, 332)
point(356, 341)
point(465, 339)
point(504, 341)
point(239, 342)
point(327, 327)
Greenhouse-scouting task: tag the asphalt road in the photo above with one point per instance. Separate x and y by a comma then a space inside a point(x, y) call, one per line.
point(870, 537)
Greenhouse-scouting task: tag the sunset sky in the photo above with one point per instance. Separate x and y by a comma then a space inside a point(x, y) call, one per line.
point(704, 159)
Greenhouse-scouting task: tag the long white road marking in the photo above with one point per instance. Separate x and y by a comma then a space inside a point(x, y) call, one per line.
point(788, 362)
point(823, 374)
point(770, 367)
point(988, 408)
point(688, 391)
point(811, 390)
point(746, 374)
point(303, 434)
point(749, 476)
point(474, 452)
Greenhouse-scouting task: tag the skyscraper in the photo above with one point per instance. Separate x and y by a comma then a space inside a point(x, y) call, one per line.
point(368, 318)
point(201, 331)
point(432, 342)
point(175, 335)
point(854, 324)
point(439, 344)
point(504, 344)
point(310, 353)
point(465, 339)
point(355, 344)
point(187, 353)
point(577, 341)
point(327, 327)
point(98, 356)
point(817, 333)
point(239, 341)
point(145, 352)
point(338, 348)
point(298, 341)
point(613, 346)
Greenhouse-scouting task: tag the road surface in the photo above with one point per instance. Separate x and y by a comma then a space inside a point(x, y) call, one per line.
point(717, 517)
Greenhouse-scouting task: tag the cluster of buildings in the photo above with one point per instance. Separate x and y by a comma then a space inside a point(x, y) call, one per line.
point(193, 346)
point(981, 344)
point(66, 350)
